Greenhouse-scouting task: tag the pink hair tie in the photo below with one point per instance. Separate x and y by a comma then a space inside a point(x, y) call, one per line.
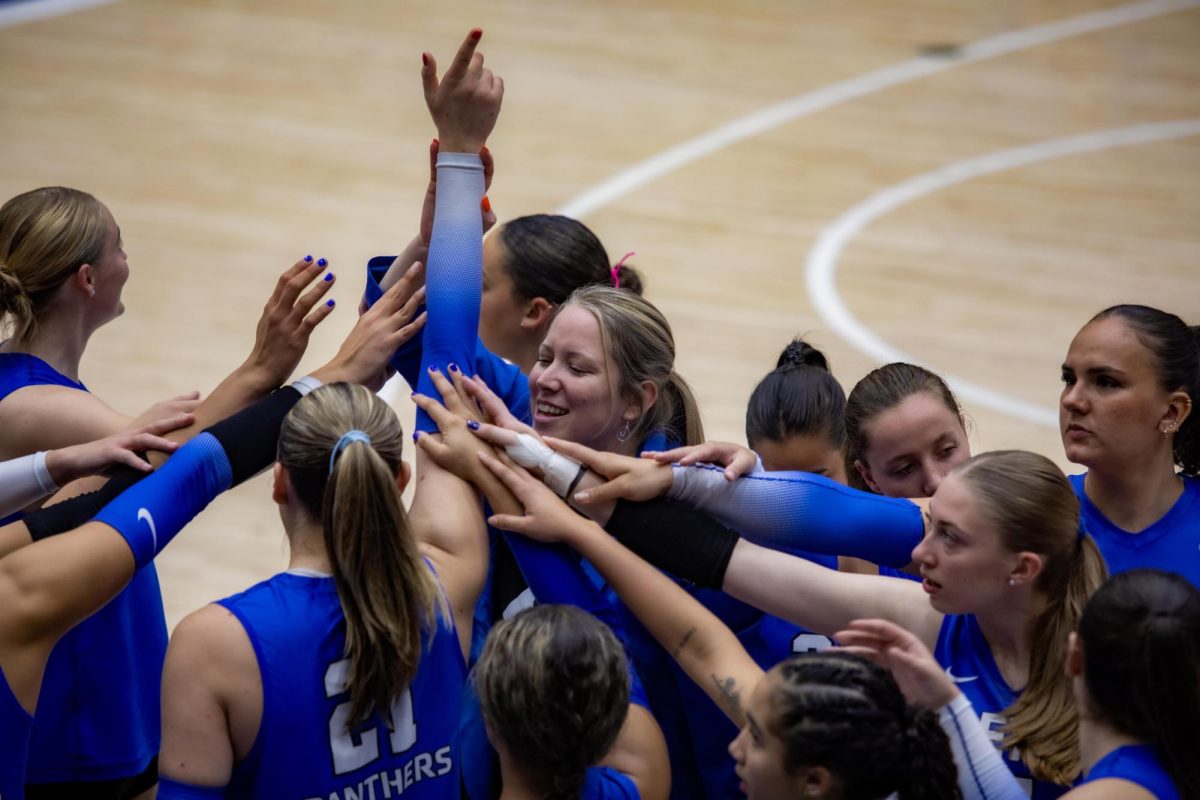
point(616, 270)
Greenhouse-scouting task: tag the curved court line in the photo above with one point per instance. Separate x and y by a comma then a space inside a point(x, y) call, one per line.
point(837, 93)
point(821, 265)
point(33, 10)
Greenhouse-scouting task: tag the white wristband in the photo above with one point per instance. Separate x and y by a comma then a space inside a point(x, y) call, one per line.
point(306, 384)
point(558, 471)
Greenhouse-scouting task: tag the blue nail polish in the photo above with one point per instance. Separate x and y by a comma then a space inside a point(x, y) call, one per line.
point(453, 367)
point(433, 368)
point(308, 258)
point(329, 302)
point(321, 262)
point(415, 435)
point(328, 277)
point(472, 424)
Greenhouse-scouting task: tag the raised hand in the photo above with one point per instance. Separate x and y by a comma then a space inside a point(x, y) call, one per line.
point(168, 409)
point(389, 323)
point(69, 463)
point(629, 478)
point(288, 319)
point(493, 408)
point(919, 676)
point(455, 448)
point(736, 459)
point(465, 102)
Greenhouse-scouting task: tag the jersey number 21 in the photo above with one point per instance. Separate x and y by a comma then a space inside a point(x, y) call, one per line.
point(353, 750)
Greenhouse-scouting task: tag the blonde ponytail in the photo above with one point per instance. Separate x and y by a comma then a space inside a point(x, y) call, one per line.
point(388, 596)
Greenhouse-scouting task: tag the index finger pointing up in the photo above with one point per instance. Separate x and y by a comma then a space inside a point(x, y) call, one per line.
point(462, 59)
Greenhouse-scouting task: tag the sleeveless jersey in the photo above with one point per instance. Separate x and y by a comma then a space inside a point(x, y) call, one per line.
point(303, 750)
point(1172, 543)
point(15, 725)
point(98, 711)
point(967, 659)
point(1138, 764)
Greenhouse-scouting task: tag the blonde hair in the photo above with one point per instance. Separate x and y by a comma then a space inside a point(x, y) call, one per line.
point(45, 236)
point(638, 342)
point(1031, 503)
point(554, 689)
point(388, 596)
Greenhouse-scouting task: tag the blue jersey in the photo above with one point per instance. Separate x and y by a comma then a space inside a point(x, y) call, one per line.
point(768, 640)
point(303, 749)
point(604, 783)
point(1137, 764)
point(1172, 543)
point(967, 659)
point(15, 725)
point(98, 711)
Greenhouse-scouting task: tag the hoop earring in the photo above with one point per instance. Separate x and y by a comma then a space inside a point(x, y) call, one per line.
point(623, 434)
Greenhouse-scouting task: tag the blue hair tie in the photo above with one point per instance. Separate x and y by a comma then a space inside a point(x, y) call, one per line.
point(349, 436)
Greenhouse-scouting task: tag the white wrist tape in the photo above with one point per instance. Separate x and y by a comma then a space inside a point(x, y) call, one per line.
point(558, 471)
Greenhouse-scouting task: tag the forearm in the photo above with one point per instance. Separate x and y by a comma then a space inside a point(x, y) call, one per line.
point(454, 275)
point(982, 773)
point(704, 647)
point(683, 541)
point(416, 250)
point(800, 511)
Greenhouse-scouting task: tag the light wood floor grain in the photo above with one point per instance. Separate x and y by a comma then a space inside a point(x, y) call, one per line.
point(230, 138)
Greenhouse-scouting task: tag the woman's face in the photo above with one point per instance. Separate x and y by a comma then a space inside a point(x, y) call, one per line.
point(802, 453)
point(912, 446)
point(110, 274)
point(759, 753)
point(1112, 404)
point(572, 386)
point(500, 310)
point(963, 563)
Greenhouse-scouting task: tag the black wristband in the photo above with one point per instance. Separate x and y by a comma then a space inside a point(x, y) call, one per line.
point(575, 483)
point(250, 437)
point(681, 540)
point(70, 514)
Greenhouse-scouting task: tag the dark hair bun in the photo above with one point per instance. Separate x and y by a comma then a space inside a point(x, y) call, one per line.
point(800, 353)
point(630, 279)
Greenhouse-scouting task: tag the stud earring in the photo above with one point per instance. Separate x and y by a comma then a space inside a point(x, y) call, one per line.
point(1012, 582)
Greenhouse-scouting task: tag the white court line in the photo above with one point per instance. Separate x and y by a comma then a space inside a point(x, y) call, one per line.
point(32, 10)
point(821, 265)
point(837, 93)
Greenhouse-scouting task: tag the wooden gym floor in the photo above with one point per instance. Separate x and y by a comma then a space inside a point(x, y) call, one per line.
point(964, 183)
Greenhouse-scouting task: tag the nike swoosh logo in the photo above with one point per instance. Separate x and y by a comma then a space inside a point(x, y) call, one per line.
point(957, 679)
point(145, 514)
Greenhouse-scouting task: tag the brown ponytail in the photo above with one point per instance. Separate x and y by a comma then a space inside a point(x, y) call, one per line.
point(1029, 501)
point(388, 596)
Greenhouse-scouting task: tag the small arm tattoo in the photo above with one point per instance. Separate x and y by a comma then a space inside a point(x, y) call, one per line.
point(730, 693)
point(683, 643)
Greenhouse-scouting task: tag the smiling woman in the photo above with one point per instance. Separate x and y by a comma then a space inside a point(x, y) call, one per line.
point(1131, 378)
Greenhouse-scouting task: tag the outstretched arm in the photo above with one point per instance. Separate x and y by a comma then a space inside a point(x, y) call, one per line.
point(707, 650)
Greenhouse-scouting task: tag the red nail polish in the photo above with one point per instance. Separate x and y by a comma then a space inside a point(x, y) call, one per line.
point(425, 59)
point(475, 34)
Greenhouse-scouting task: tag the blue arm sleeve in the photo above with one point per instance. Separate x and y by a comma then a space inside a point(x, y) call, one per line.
point(505, 379)
point(174, 790)
point(557, 576)
point(801, 511)
point(151, 512)
point(454, 274)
